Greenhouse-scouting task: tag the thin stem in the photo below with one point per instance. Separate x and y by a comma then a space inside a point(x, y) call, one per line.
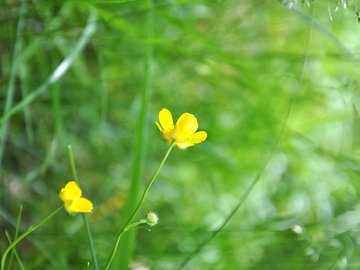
point(26, 233)
point(126, 228)
point(72, 164)
point(15, 236)
point(13, 253)
point(91, 242)
point(84, 217)
point(143, 197)
point(135, 224)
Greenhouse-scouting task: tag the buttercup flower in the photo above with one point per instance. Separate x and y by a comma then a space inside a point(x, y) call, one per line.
point(73, 202)
point(183, 134)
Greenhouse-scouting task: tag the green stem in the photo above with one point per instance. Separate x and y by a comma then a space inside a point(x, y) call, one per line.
point(143, 197)
point(15, 236)
point(84, 217)
point(72, 164)
point(135, 224)
point(91, 242)
point(13, 253)
point(26, 233)
point(126, 228)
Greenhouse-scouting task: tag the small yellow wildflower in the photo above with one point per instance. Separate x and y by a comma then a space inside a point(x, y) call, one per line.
point(73, 202)
point(183, 134)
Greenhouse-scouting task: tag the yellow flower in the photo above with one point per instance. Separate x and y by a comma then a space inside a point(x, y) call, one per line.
point(73, 202)
point(183, 134)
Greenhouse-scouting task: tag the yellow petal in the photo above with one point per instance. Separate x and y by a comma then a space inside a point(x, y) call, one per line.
point(195, 138)
point(183, 145)
point(186, 126)
point(166, 134)
point(159, 127)
point(81, 205)
point(166, 120)
point(198, 137)
point(67, 204)
point(71, 191)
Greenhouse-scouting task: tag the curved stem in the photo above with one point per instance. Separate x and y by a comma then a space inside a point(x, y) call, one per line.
point(26, 233)
point(128, 223)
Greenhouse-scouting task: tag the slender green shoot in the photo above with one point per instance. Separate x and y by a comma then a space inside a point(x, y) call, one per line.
point(14, 252)
point(125, 229)
point(128, 225)
point(103, 89)
point(26, 233)
point(84, 217)
point(16, 235)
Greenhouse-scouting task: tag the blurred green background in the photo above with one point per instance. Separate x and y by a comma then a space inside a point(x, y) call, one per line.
point(274, 83)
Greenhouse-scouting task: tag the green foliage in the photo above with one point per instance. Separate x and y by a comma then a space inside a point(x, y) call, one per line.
point(274, 84)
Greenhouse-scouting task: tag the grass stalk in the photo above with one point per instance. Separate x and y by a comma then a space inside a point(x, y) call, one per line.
point(83, 215)
point(14, 252)
point(26, 233)
point(15, 236)
point(24, 78)
point(127, 242)
point(103, 89)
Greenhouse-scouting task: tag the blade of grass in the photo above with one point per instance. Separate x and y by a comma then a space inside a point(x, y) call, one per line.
point(14, 252)
point(24, 78)
point(13, 70)
point(127, 242)
point(103, 87)
point(26, 233)
point(56, 104)
point(61, 69)
point(84, 217)
point(17, 227)
point(252, 185)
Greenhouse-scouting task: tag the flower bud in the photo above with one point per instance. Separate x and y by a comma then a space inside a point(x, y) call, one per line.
point(152, 219)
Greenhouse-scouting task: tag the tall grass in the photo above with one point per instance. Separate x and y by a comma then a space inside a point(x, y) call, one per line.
point(127, 244)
